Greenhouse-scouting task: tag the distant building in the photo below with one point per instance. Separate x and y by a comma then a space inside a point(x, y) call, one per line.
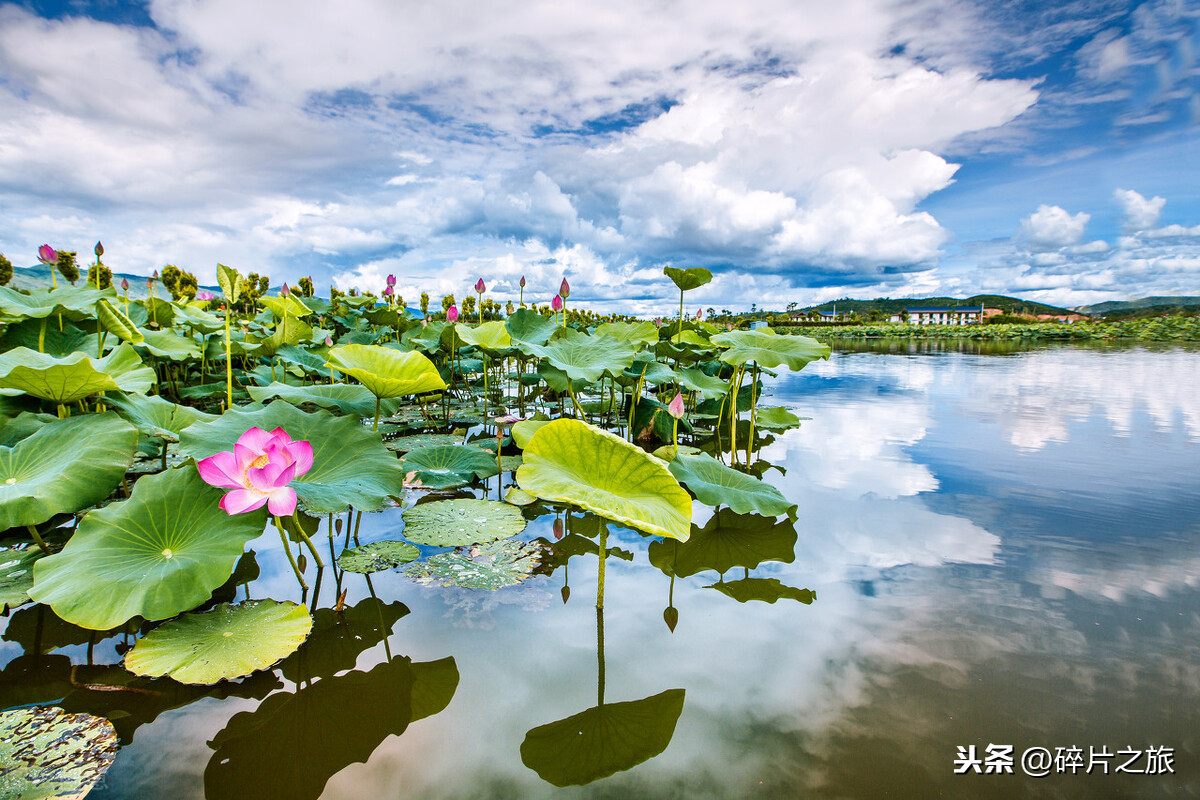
point(756, 324)
point(945, 315)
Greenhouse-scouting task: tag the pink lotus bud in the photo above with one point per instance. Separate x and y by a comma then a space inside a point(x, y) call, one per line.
point(480, 286)
point(522, 281)
point(284, 290)
point(452, 314)
point(699, 314)
point(125, 284)
point(564, 289)
point(99, 249)
point(387, 291)
point(556, 303)
point(328, 342)
point(391, 280)
point(149, 283)
point(155, 275)
point(558, 529)
point(675, 408)
point(47, 254)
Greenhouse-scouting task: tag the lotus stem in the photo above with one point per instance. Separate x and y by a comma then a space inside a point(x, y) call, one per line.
point(679, 333)
point(37, 537)
point(228, 361)
point(753, 401)
point(603, 553)
point(307, 541)
point(287, 548)
point(600, 655)
point(571, 391)
point(42, 336)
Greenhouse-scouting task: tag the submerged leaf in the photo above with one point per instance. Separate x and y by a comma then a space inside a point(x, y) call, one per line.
point(455, 523)
point(47, 753)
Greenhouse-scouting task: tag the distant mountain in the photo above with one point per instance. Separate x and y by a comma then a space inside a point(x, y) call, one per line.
point(889, 305)
point(1156, 302)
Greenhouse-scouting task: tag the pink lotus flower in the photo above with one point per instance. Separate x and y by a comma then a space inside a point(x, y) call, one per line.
point(391, 280)
point(47, 254)
point(388, 291)
point(675, 408)
point(203, 296)
point(452, 314)
point(556, 303)
point(699, 314)
point(480, 286)
point(258, 471)
point(564, 289)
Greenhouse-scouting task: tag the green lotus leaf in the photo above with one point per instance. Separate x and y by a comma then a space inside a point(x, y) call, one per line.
point(345, 397)
point(155, 312)
point(351, 467)
point(51, 339)
point(652, 420)
point(529, 327)
point(63, 467)
point(669, 452)
point(689, 338)
point(765, 590)
point(694, 380)
point(511, 463)
point(557, 380)
point(519, 497)
point(651, 371)
point(587, 358)
point(417, 441)
point(776, 418)
point(338, 638)
point(153, 416)
point(490, 335)
point(73, 377)
point(192, 317)
point(485, 566)
point(159, 553)
point(47, 753)
point(115, 322)
point(688, 279)
point(634, 333)
point(427, 337)
point(70, 302)
point(290, 305)
point(294, 332)
point(603, 740)
point(169, 345)
point(525, 429)
point(386, 372)
point(311, 362)
point(227, 642)
point(450, 465)
point(715, 484)
point(230, 281)
point(726, 541)
point(22, 426)
point(16, 573)
point(769, 349)
point(455, 523)
point(570, 461)
point(377, 556)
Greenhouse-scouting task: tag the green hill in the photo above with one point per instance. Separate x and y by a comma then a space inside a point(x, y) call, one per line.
point(888, 305)
point(1161, 304)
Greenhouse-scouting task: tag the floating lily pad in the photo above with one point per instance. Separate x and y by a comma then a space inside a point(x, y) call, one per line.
point(769, 349)
point(74, 376)
point(715, 484)
point(377, 556)
point(405, 444)
point(228, 642)
point(455, 523)
point(726, 541)
point(519, 497)
point(485, 566)
point(449, 466)
point(63, 467)
point(47, 753)
point(159, 553)
point(603, 740)
point(386, 372)
point(573, 462)
point(766, 590)
point(776, 418)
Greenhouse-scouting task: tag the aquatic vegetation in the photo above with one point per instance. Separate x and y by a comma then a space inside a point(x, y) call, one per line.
point(46, 752)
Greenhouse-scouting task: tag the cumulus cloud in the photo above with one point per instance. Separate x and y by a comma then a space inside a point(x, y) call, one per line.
point(1140, 214)
point(1053, 227)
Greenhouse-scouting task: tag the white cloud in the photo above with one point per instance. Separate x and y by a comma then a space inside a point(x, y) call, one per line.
point(1140, 214)
point(1052, 227)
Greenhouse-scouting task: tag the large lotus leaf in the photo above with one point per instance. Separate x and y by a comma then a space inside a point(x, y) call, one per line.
point(769, 349)
point(416, 441)
point(229, 641)
point(159, 553)
point(529, 327)
point(557, 380)
point(634, 333)
point(569, 461)
point(691, 339)
point(73, 303)
point(490, 335)
point(156, 417)
point(687, 279)
point(524, 430)
point(776, 418)
point(73, 377)
point(115, 322)
point(708, 386)
point(485, 566)
point(650, 371)
point(65, 466)
point(22, 426)
point(293, 331)
point(427, 337)
point(47, 753)
point(455, 523)
point(154, 312)
point(715, 484)
point(351, 467)
point(449, 465)
point(190, 316)
point(603, 740)
point(169, 345)
point(345, 397)
point(766, 590)
point(386, 372)
point(588, 358)
point(377, 556)
point(338, 638)
point(290, 305)
point(52, 339)
point(726, 541)
point(311, 361)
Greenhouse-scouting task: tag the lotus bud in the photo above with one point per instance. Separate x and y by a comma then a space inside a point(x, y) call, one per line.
point(47, 255)
point(391, 280)
point(387, 291)
point(328, 342)
point(155, 275)
point(480, 286)
point(566, 593)
point(699, 314)
point(99, 249)
point(564, 289)
point(452, 314)
point(150, 283)
point(671, 617)
point(556, 303)
point(558, 529)
point(522, 281)
point(675, 408)
point(284, 290)
point(125, 284)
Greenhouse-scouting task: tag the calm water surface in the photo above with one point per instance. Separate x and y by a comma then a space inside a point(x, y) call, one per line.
point(1005, 550)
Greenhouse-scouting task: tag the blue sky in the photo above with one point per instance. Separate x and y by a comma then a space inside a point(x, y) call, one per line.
point(802, 151)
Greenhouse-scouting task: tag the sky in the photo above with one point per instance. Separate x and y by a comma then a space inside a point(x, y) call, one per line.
point(802, 151)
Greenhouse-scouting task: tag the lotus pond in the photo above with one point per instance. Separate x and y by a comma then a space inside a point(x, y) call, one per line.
point(512, 566)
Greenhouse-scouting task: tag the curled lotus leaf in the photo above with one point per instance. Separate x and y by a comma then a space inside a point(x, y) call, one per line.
point(230, 641)
point(386, 372)
point(455, 523)
point(490, 335)
point(159, 553)
point(115, 322)
point(289, 332)
point(47, 753)
point(280, 306)
point(63, 467)
point(377, 556)
point(688, 279)
point(715, 484)
point(153, 416)
point(75, 376)
point(485, 566)
point(767, 348)
point(570, 461)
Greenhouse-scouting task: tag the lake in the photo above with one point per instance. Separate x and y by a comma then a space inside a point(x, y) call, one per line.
point(1004, 547)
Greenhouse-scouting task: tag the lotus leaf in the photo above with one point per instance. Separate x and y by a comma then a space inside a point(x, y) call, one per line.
point(766, 590)
point(65, 380)
point(695, 380)
point(227, 642)
point(573, 462)
point(406, 444)
point(293, 332)
point(776, 418)
point(156, 417)
point(715, 484)
point(22, 426)
point(529, 327)
point(351, 467)
point(557, 380)
point(377, 556)
point(688, 279)
point(345, 397)
point(169, 345)
point(47, 753)
point(159, 553)
point(726, 541)
point(16, 573)
point(311, 362)
point(338, 638)
point(290, 305)
point(386, 372)
point(490, 335)
point(587, 358)
point(485, 566)
point(522, 431)
point(115, 322)
point(193, 317)
point(449, 465)
point(455, 523)
point(51, 339)
point(769, 349)
point(63, 467)
point(634, 333)
point(689, 338)
point(230, 281)
point(157, 312)
point(651, 371)
point(73, 303)
point(603, 740)
point(519, 497)
point(651, 420)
